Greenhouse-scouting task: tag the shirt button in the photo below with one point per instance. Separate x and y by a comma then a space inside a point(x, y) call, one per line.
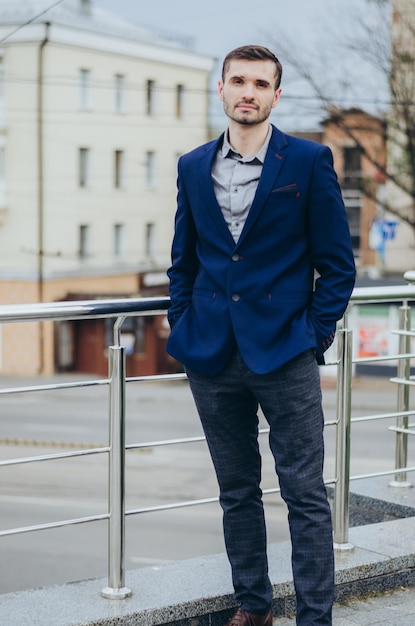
point(236, 257)
point(236, 297)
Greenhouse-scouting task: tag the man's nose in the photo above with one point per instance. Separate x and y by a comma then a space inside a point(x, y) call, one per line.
point(249, 90)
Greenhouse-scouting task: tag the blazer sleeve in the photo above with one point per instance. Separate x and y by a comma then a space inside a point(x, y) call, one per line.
point(331, 249)
point(184, 264)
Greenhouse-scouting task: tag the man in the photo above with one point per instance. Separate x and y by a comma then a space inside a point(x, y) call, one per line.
point(259, 216)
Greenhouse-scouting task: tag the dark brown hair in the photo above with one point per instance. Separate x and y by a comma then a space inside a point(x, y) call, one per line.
point(253, 53)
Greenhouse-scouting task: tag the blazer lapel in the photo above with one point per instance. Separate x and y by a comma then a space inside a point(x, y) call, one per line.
point(273, 163)
point(204, 176)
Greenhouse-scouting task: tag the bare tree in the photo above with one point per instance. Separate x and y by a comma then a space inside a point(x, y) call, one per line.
point(401, 121)
point(377, 45)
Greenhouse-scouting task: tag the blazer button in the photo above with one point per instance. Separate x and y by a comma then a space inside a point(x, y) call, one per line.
point(236, 297)
point(236, 257)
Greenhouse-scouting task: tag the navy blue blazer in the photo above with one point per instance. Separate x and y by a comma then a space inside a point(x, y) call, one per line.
point(261, 292)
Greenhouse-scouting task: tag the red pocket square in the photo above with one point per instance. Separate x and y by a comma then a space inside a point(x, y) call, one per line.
point(288, 190)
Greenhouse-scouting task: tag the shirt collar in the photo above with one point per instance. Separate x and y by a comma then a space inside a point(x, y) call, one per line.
point(229, 152)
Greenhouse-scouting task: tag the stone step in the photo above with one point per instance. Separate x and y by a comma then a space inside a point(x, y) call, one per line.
point(198, 591)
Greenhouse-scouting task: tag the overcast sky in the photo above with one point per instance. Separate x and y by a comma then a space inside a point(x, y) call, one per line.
point(218, 26)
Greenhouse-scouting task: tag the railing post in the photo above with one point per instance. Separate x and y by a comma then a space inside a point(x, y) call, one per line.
point(341, 489)
point(401, 442)
point(116, 489)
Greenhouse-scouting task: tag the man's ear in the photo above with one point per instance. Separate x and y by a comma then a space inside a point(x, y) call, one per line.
point(276, 97)
point(220, 89)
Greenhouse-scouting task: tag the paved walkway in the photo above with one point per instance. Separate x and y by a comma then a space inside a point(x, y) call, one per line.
point(394, 608)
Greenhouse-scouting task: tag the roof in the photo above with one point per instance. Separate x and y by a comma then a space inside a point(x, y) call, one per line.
point(85, 15)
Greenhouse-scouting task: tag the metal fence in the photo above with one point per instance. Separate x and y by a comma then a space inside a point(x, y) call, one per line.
point(117, 380)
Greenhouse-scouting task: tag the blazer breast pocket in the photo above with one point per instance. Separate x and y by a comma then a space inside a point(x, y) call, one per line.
point(287, 191)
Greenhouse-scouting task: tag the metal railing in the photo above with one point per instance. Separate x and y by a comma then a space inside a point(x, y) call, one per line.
point(116, 382)
point(372, 295)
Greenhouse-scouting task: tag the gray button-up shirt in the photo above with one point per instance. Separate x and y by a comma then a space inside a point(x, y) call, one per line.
point(235, 180)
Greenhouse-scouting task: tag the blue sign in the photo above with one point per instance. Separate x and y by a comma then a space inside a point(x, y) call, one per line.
point(389, 229)
point(380, 232)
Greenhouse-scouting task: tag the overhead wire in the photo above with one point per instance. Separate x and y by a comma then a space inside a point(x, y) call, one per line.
point(31, 20)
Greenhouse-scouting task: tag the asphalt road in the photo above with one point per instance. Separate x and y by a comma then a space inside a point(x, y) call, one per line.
point(43, 492)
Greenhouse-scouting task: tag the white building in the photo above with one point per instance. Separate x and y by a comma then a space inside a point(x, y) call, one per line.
point(93, 114)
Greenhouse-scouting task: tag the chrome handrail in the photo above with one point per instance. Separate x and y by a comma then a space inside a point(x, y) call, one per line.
point(71, 310)
point(119, 309)
point(405, 295)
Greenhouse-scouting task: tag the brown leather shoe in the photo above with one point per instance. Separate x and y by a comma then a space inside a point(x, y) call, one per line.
point(245, 618)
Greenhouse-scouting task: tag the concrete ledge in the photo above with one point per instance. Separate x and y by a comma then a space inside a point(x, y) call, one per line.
point(198, 592)
point(373, 500)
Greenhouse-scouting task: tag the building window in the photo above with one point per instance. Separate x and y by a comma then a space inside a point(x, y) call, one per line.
point(119, 169)
point(119, 240)
point(151, 174)
point(85, 6)
point(84, 167)
point(85, 243)
point(150, 97)
point(2, 91)
point(2, 164)
point(2, 171)
point(149, 244)
point(179, 101)
point(2, 79)
point(352, 194)
point(85, 90)
point(120, 93)
point(2, 160)
point(352, 175)
point(353, 203)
